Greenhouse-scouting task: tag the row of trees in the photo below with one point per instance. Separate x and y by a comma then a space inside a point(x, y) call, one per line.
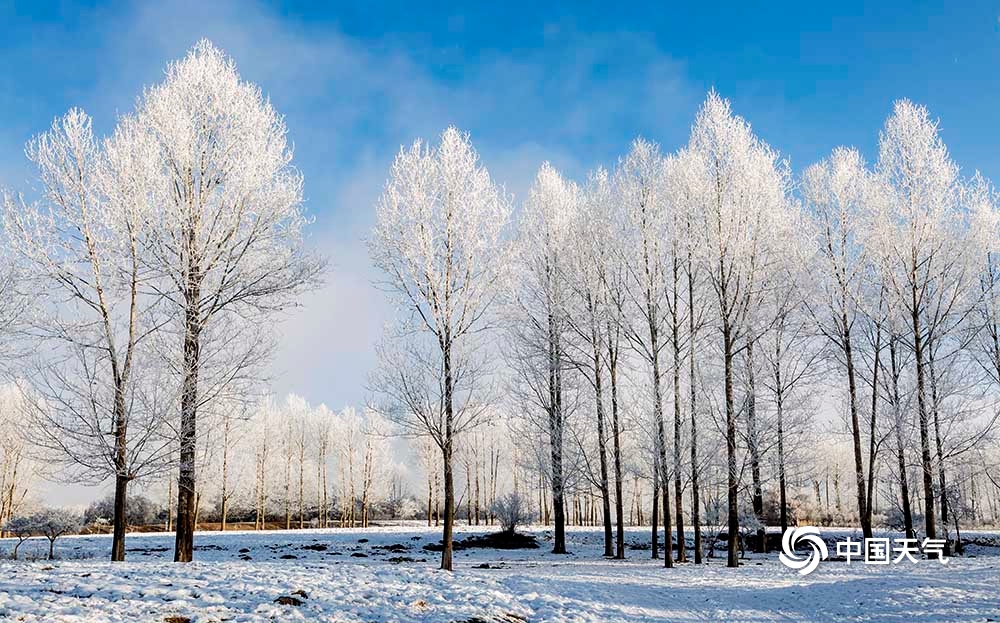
point(671, 323)
point(700, 307)
point(302, 465)
point(144, 270)
point(51, 523)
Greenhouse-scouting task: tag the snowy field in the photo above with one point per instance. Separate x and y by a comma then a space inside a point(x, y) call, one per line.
point(384, 574)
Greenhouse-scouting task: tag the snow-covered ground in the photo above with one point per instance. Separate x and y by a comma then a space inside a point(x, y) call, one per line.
point(383, 574)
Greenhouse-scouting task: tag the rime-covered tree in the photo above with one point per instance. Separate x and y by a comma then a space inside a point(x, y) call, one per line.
point(926, 253)
point(539, 319)
point(640, 183)
point(740, 225)
point(838, 192)
point(83, 244)
point(227, 223)
point(438, 242)
point(590, 309)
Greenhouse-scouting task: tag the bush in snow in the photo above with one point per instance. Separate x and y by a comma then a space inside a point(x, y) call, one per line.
point(23, 528)
point(139, 511)
point(511, 510)
point(52, 523)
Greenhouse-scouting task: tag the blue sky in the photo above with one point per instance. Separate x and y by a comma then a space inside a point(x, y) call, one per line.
point(572, 83)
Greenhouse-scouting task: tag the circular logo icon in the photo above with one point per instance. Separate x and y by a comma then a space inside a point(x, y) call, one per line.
point(807, 563)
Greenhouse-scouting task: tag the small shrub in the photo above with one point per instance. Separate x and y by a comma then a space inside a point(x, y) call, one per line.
point(511, 510)
point(23, 528)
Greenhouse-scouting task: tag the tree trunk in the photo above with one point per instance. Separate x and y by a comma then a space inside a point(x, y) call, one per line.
point(754, 443)
point(447, 455)
point(655, 512)
point(121, 471)
point(430, 500)
point(302, 493)
point(170, 505)
point(732, 558)
point(859, 469)
point(225, 474)
point(616, 434)
point(930, 527)
point(661, 437)
point(939, 447)
point(121, 519)
point(477, 492)
point(695, 508)
point(779, 407)
point(602, 444)
point(872, 446)
point(678, 489)
point(556, 437)
point(326, 490)
point(184, 541)
point(449, 508)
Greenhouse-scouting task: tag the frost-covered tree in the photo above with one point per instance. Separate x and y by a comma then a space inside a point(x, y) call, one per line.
point(640, 184)
point(13, 303)
point(83, 244)
point(982, 198)
point(53, 523)
point(438, 242)
point(321, 431)
point(21, 527)
point(17, 468)
point(591, 263)
point(740, 228)
point(539, 319)
point(227, 225)
point(838, 192)
point(926, 252)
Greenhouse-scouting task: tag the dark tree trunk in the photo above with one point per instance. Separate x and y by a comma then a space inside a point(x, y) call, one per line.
point(678, 489)
point(556, 438)
point(655, 513)
point(930, 526)
point(186, 500)
point(184, 542)
point(120, 519)
point(757, 499)
point(121, 476)
point(446, 456)
point(616, 433)
point(695, 503)
point(603, 449)
point(872, 447)
point(732, 558)
point(904, 488)
point(449, 509)
point(779, 407)
point(668, 558)
point(859, 468)
point(939, 447)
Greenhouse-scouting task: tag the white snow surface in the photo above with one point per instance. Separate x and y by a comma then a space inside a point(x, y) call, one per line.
point(225, 584)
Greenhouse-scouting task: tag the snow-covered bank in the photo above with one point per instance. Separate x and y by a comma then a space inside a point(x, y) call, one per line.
point(385, 575)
